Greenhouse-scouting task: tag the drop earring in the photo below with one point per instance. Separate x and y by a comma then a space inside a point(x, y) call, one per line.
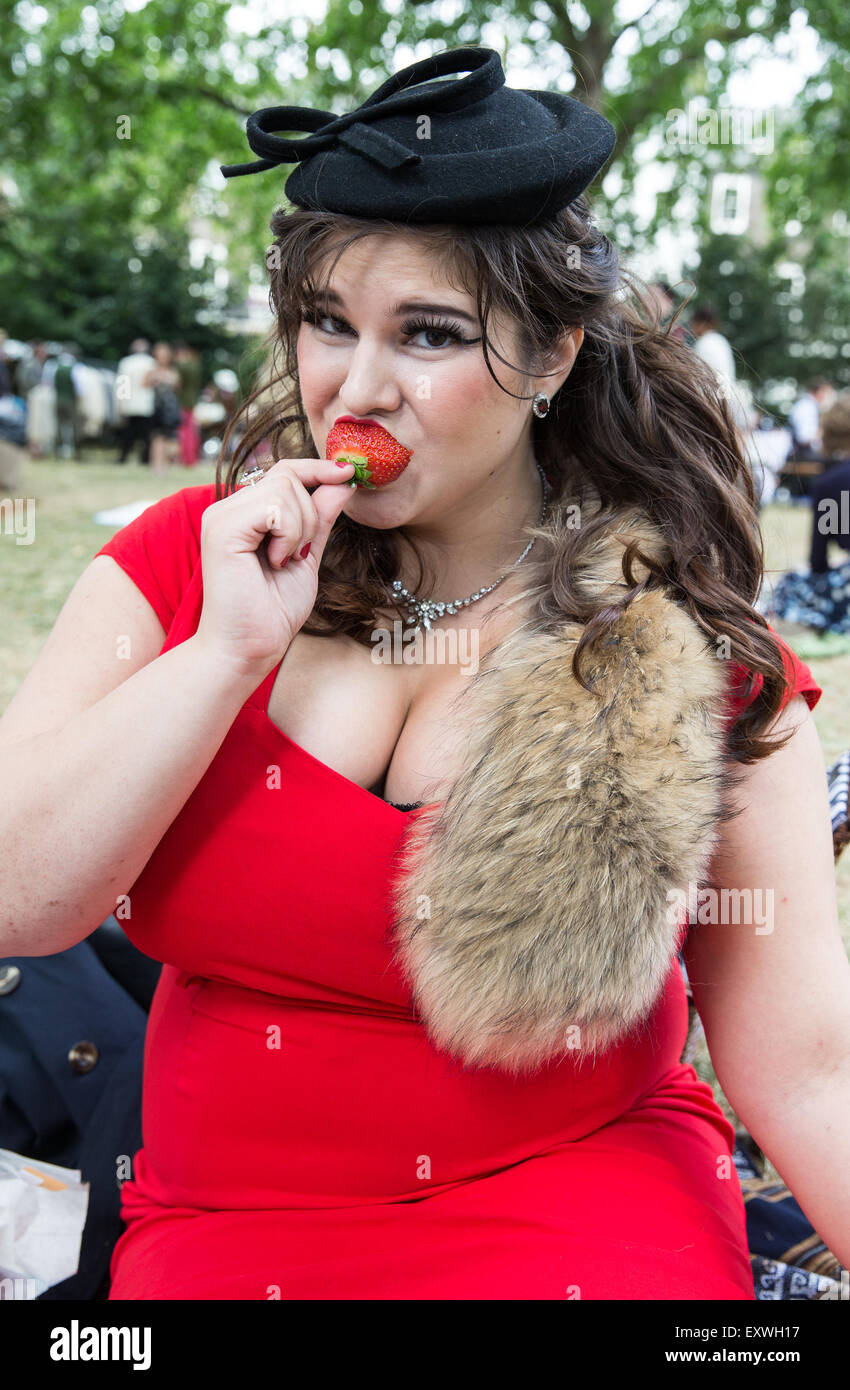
point(540, 405)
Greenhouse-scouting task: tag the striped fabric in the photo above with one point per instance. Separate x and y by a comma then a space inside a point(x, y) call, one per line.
point(838, 778)
point(789, 1260)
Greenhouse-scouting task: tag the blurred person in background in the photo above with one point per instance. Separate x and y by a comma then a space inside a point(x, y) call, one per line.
point(5, 375)
point(804, 419)
point(715, 349)
point(31, 367)
point(819, 597)
point(662, 296)
point(710, 344)
point(767, 447)
point(13, 417)
point(226, 390)
point(167, 415)
point(134, 398)
point(41, 406)
point(65, 374)
point(831, 522)
point(187, 360)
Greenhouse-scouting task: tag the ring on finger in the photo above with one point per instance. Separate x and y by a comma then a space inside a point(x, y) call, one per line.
point(252, 477)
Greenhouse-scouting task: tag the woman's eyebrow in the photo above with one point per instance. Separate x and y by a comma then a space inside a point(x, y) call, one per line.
point(405, 306)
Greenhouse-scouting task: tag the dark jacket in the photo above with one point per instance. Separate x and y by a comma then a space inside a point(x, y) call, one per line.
point(830, 487)
point(72, 1030)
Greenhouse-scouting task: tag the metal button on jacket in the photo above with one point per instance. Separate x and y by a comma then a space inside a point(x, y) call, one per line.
point(10, 978)
point(83, 1056)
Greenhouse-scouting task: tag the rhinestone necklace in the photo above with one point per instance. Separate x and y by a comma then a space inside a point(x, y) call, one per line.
point(421, 612)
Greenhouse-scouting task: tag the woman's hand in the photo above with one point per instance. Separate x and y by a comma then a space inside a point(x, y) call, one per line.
point(258, 593)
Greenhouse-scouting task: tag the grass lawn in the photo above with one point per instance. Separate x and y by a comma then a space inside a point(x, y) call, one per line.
point(35, 580)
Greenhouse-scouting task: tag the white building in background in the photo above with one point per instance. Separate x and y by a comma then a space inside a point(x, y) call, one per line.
point(737, 206)
point(254, 314)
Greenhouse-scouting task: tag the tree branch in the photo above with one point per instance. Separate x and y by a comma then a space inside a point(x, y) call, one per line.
point(634, 23)
point(564, 23)
point(576, 46)
point(184, 89)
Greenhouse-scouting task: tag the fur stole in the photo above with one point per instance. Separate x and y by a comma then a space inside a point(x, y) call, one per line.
point(531, 915)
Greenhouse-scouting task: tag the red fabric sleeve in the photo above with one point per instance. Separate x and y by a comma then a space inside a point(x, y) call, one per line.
point(800, 682)
point(160, 548)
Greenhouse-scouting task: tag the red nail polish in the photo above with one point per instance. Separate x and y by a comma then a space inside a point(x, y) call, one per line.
point(306, 551)
point(285, 561)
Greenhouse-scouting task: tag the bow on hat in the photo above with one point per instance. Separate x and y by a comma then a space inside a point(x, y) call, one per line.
point(394, 96)
point(494, 154)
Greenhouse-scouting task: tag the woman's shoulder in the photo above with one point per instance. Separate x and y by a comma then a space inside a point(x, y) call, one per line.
point(159, 548)
point(799, 681)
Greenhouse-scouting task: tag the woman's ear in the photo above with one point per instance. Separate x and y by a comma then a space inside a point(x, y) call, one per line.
point(569, 348)
point(560, 358)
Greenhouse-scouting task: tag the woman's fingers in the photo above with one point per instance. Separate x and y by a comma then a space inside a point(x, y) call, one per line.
point(280, 508)
point(292, 524)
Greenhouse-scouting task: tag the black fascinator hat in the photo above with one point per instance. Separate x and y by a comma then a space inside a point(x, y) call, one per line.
point(422, 149)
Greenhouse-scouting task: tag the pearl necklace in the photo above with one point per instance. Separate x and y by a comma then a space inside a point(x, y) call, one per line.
point(423, 611)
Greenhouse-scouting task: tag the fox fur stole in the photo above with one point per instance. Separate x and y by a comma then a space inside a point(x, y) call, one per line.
point(532, 912)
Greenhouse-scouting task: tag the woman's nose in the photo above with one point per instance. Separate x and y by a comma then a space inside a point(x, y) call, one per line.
point(370, 382)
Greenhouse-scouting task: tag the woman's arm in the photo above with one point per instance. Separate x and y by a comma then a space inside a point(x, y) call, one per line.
point(771, 979)
point(100, 749)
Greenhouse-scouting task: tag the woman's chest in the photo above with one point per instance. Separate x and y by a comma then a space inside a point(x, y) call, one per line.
point(389, 717)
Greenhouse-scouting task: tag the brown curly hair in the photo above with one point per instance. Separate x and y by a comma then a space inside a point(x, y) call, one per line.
point(639, 421)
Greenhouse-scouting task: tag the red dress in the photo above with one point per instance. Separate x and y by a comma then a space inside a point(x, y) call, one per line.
point(303, 1139)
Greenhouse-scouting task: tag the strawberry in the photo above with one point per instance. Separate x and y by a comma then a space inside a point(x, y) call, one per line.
point(378, 458)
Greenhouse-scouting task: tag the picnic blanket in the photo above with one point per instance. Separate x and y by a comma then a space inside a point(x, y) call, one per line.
point(789, 1260)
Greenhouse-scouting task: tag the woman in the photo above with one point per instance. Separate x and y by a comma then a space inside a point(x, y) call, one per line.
point(165, 379)
point(455, 1075)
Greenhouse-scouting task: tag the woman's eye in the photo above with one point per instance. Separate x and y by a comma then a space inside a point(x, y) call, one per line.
point(436, 332)
point(319, 320)
point(449, 333)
